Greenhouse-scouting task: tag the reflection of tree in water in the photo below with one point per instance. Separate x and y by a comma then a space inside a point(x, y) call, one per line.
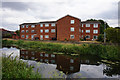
point(112, 70)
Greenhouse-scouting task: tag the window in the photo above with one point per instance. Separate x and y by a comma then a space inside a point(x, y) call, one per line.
point(72, 21)
point(41, 30)
point(71, 61)
point(47, 30)
point(46, 25)
point(22, 52)
point(95, 25)
point(46, 36)
point(26, 26)
point(26, 52)
point(23, 36)
point(41, 25)
point(41, 55)
point(41, 36)
point(87, 36)
point(32, 26)
point(71, 36)
point(95, 31)
point(52, 55)
point(82, 36)
point(52, 30)
point(33, 53)
point(87, 31)
point(32, 31)
point(46, 55)
point(26, 31)
point(32, 36)
point(32, 57)
point(87, 25)
point(82, 31)
point(71, 68)
point(22, 31)
point(72, 29)
point(46, 60)
point(53, 24)
point(82, 25)
point(41, 60)
point(26, 36)
point(22, 26)
point(95, 37)
point(52, 61)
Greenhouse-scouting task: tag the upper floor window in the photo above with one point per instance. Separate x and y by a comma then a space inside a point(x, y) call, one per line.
point(22, 31)
point(46, 55)
point(95, 25)
point(82, 25)
point(95, 31)
point(82, 31)
point(52, 55)
point(41, 25)
point(72, 36)
point(46, 36)
point(72, 21)
point(72, 29)
point(46, 25)
point(26, 31)
point(52, 30)
point(71, 61)
point(47, 30)
point(22, 26)
point(87, 31)
point(53, 24)
point(41, 30)
point(32, 26)
point(87, 25)
point(26, 26)
point(32, 31)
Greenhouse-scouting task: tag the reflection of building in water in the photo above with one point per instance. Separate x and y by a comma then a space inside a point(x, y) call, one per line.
point(64, 63)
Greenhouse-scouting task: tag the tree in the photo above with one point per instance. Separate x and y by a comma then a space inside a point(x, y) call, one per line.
point(18, 32)
point(113, 34)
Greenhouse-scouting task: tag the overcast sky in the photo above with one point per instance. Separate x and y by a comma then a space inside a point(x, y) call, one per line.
point(14, 13)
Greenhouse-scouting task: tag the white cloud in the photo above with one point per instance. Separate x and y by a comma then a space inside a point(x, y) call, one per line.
point(42, 10)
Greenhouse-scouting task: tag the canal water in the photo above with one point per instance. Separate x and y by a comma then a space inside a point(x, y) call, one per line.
point(51, 65)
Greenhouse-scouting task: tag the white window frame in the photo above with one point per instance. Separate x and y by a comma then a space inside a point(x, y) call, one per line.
point(41, 25)
point(41, 30)
point(46, 30)
point(26, 26)
point(72, 21)
point(95, 31)
point(46, 25)
point(87, 25)
point(52, 30)
point(72, 29)
point(87, 35)
point(87, 31)
point(32, 26)
point(95, 25)
point(26, 31)
point(53, 24)
point(23, 36)
point(46, 36)
point(32, 31)
point(82, 25)
point(22, 26)
point(96, 36)
point(22, 31)
point(71, 36)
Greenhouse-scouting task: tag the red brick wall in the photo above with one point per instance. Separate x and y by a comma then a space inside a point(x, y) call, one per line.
point(63, 28)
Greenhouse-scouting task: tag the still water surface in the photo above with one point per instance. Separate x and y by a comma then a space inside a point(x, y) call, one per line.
point(64, 66)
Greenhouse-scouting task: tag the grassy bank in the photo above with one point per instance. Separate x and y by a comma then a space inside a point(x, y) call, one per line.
point(109, 52)
point(12, 68)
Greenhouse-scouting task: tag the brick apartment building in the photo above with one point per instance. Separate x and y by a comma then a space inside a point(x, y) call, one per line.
point(66, 28)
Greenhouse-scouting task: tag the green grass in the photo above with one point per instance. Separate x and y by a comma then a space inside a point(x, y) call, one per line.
point(109, 52)
point(12, 68)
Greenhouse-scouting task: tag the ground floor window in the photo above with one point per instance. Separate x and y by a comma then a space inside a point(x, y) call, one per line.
point(95, 37)
point(26, 36)
point(87, 36)
point(22, 36)
point(72, 36)
point(46, 36)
